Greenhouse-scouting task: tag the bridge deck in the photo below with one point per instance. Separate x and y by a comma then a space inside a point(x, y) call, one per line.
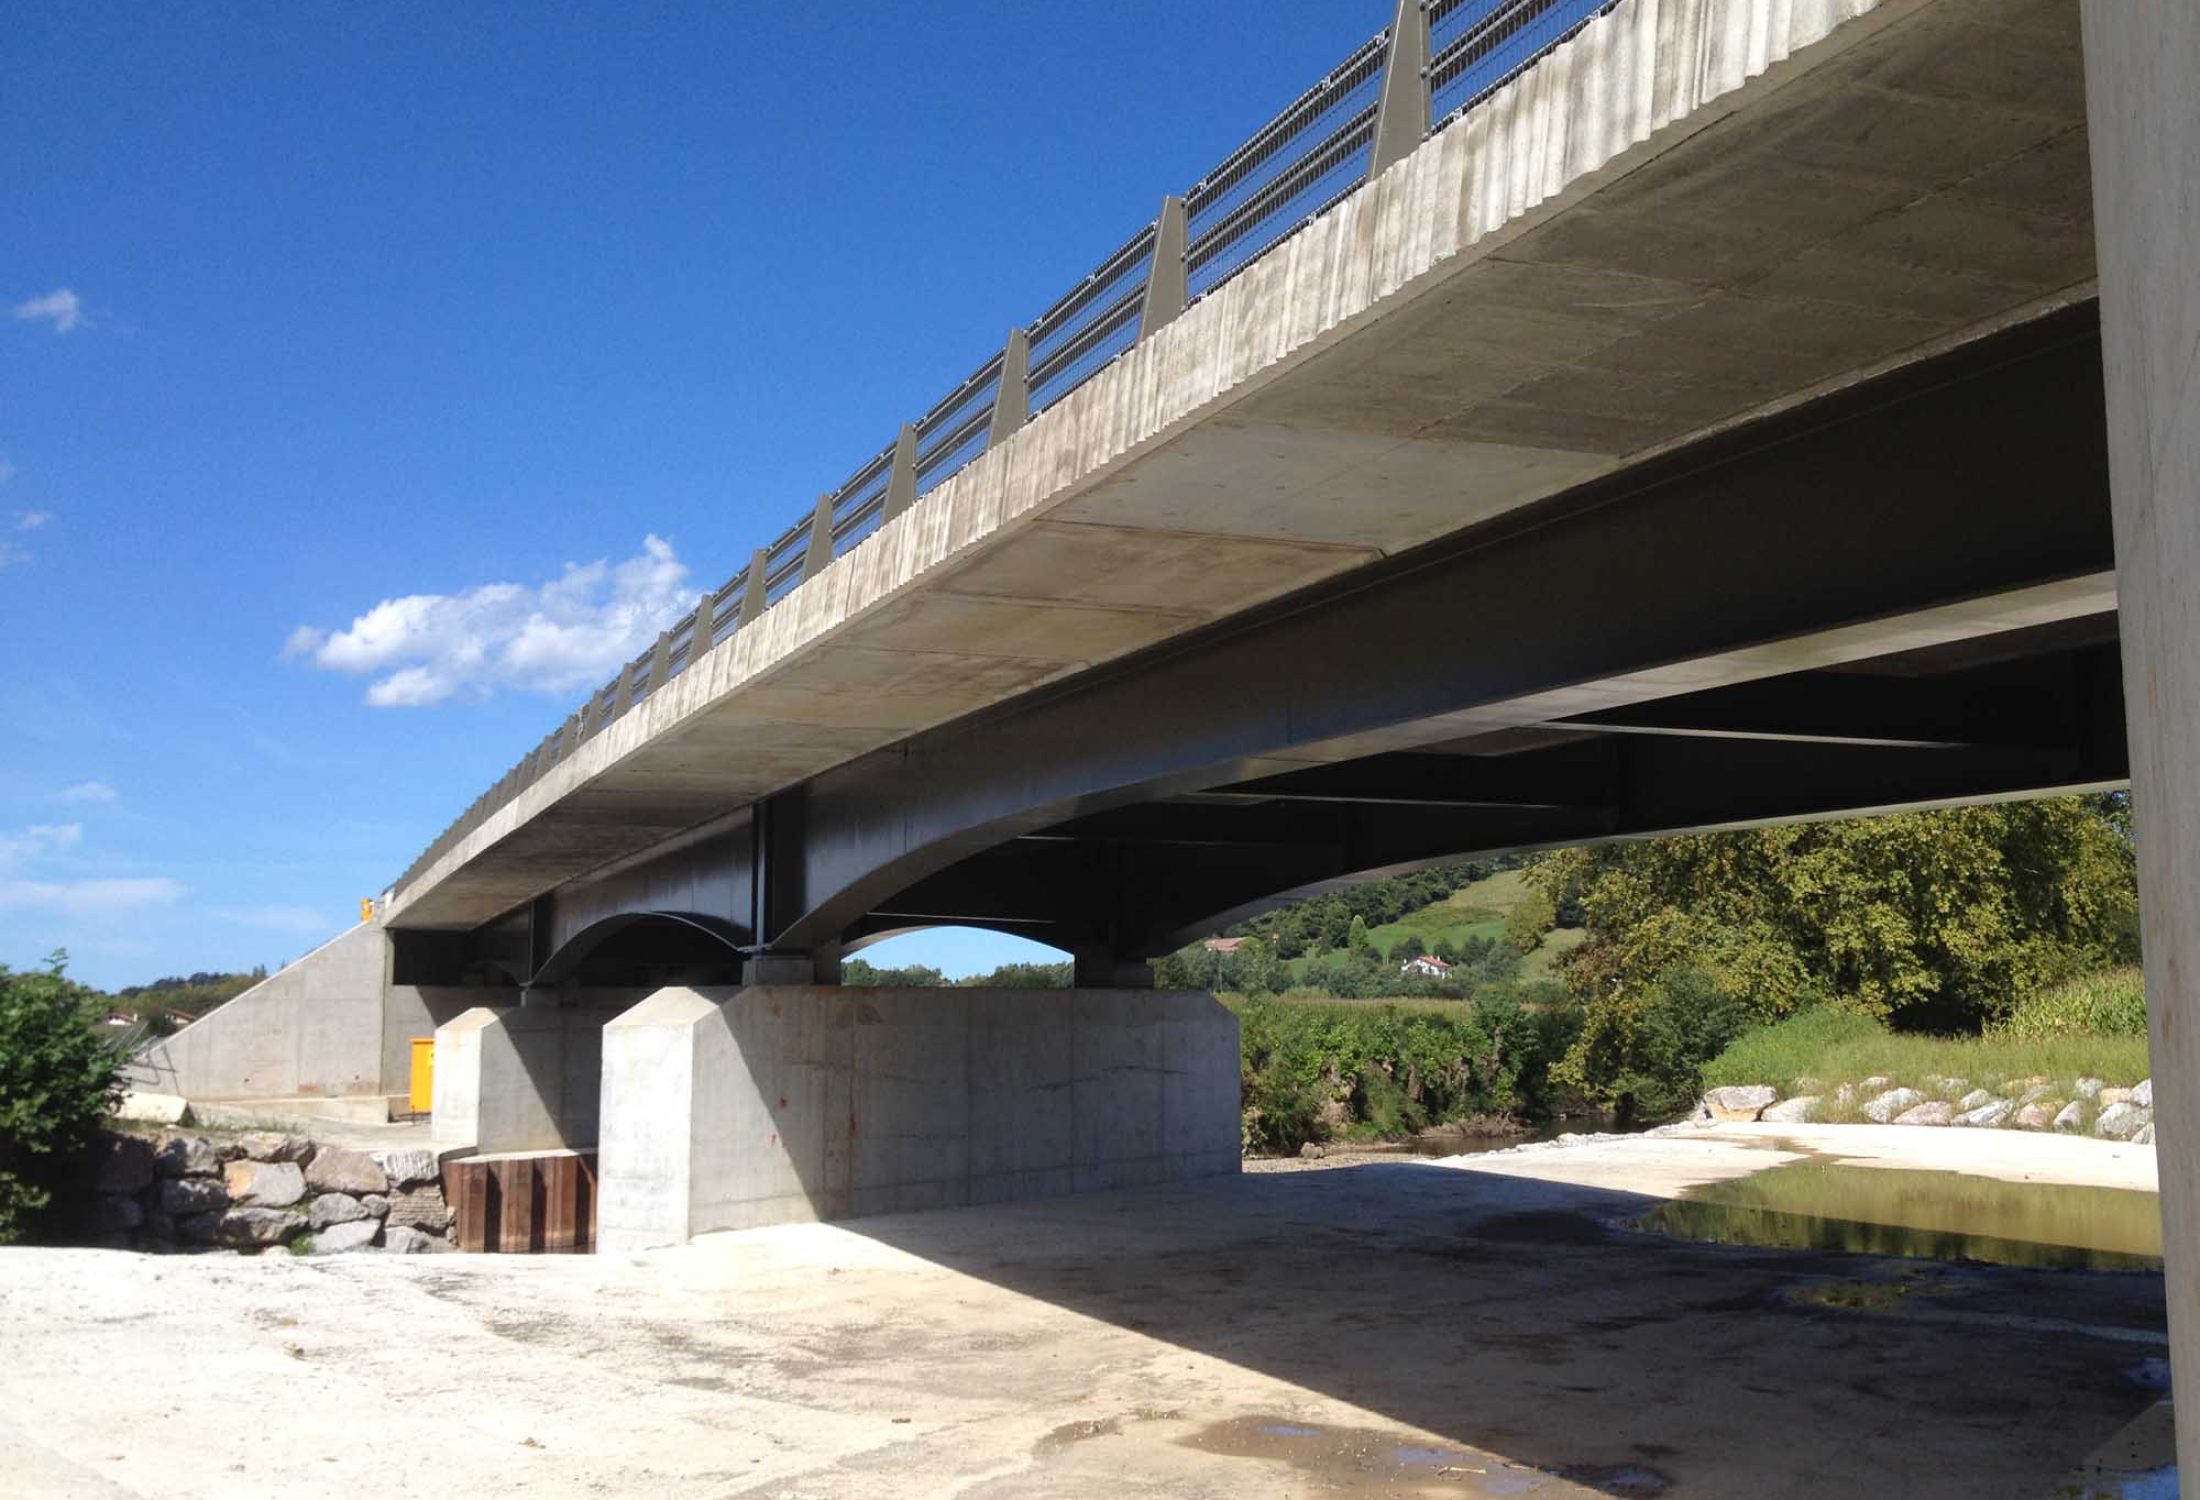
point(1689, 214)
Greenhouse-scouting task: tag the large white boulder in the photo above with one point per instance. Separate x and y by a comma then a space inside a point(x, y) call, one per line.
point(1986, 1115)
point(1882, 1108)
point(2122, 1120)
point(1740, 1101)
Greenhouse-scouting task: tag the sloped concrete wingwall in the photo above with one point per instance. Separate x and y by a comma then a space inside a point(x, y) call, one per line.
point(726, 1109)
point(314, 1027)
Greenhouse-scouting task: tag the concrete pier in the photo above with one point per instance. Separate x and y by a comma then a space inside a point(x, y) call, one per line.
point(727, 1109)
point(2140, 60)
point(523, 1078)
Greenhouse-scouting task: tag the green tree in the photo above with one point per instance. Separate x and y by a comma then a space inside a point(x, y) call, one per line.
point(1356, 940)
point(1407, 947)
point(1935, 921)
point(1533, 915)
point(59, 1079)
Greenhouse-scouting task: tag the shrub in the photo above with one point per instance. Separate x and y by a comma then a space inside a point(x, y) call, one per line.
point(59, 1078)
point(2109, 1002)
point(1312, 1069)
point(1642, 1052)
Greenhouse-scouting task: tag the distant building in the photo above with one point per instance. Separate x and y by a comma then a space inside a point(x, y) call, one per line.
point(1224, 945)
point(1426, 966)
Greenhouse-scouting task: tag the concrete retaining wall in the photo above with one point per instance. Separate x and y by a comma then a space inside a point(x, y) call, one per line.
point(724, 1109)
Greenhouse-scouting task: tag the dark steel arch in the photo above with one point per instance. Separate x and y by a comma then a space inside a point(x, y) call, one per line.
point(701, 949)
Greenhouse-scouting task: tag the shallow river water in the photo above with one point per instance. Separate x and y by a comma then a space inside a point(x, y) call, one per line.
point(1816, 1205)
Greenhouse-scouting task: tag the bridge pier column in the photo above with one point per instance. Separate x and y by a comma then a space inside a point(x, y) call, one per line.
point(524, 1077)
point(727, 1109)
point(2144, 117)
point(1102, 968)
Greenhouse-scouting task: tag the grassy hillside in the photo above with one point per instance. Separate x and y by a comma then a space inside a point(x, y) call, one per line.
point(1475, 910)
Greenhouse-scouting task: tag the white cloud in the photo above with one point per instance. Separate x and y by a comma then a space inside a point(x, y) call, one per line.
point(60, 307)
point(570, 633)
point(86, 898)
point(7, 471)
point(31, 520)
point(39, 839)
point(89, 792)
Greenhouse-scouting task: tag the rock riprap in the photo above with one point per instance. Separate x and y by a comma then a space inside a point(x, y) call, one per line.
point(2100, 1109)
point(262, 1192)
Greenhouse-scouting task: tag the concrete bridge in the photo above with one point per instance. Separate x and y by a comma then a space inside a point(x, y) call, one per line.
point(1566, 421)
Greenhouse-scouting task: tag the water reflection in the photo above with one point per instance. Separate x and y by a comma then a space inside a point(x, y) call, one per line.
point(1813, 1205)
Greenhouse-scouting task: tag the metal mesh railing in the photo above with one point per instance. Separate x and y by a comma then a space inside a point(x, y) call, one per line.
point(1316, 152)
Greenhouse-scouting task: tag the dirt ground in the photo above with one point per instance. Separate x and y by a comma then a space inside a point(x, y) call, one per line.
point(1400, 1328)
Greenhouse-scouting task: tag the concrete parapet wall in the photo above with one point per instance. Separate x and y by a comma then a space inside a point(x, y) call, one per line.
point(726, 1109)
point(314, 1027)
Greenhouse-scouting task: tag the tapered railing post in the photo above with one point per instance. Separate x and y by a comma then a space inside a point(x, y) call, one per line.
point(1401, 120)
point(901, 484)
point(1165, 276)
point(1012, 397)
point(752, 589)
point(660, 665)
point(703, 635)
point(819, 552)
point(622, 694)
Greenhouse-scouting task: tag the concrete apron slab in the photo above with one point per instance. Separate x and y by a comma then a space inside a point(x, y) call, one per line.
point(726, 1109)
point(1380, 1330)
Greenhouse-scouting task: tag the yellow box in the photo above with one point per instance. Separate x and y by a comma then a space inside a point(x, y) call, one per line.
point(423, 1074)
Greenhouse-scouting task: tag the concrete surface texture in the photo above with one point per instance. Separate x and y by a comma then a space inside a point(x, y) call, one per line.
point(726, 1109)
point(1396, 1330)
point(1695, 211)
point(2141, 59)
point(523, 1077)
point(312, 1027)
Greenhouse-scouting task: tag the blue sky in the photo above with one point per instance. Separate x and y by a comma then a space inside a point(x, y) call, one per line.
point(373, 378)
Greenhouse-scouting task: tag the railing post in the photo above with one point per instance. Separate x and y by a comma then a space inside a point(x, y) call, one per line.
point(622, 695)
point(901, 485)
point(706, 617)
point(598, 712)
point(1012, 398)
point(660, 663)
point(1165, 275)
point(819, 552)
point(1401, 120)
point(752, 589)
